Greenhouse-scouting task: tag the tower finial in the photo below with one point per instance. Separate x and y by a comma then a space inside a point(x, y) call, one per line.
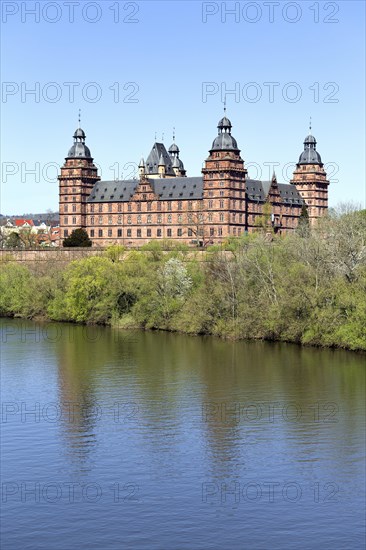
point(225, 106)
point(162, 137)
point(173, 134)
point(79, 117)
point(310, 125)
point(155, 136)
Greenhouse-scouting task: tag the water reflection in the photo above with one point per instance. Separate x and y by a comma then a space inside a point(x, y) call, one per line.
point(170, 413)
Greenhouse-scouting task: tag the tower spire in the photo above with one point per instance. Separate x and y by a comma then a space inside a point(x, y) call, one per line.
point(79, 118)
point(173, 134)
point(310, 126)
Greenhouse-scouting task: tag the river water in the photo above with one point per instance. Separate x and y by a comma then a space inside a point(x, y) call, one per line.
point(131, 440)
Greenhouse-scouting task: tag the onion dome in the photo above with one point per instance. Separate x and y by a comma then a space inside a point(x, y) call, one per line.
point(79, 149)
point(224, 123)
point(174, 149)
point(224, 140)
point(310, 155)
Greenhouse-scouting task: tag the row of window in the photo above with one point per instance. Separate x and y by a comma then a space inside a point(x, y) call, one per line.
point(149, 233)
point(190, 218)
point(108, 207)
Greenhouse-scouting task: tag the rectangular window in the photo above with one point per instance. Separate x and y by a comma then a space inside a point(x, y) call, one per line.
point(100, 233)
point(66, 221)
point(169, 232)
point(66, 208)
point(158, 233)
point(128, 232)
point(119, 232)
point(100, 219)
point(212, 231)
point(100, 208)
point(74, 207)
point(149, 206)
point(92, 208)
point(92, 232)
point(92, 220)
point(119, 207)
point(110, 219)
point(159, 206)
point(74, 221)
point(129, 207)
point(149, 232)
point(109, 232)
point(109, 207)
point(139, 207)
point(139, 232)
point(179, 232)
point(190, 233)
point(66, 232)
point(220, 231)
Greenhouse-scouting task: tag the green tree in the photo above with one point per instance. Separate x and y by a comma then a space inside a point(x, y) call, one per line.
point(14, 241)
point(78, 238)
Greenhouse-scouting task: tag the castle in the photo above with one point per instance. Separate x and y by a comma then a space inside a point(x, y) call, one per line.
point(164, 203)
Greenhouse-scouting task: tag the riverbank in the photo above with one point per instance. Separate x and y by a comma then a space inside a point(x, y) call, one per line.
point(308, 289)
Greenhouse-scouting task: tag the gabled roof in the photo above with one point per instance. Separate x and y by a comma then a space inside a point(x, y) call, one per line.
point(258, 191)
point(20, 222)
point(158, 154)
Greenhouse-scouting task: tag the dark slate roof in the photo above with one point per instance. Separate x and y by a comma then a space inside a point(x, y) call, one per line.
point(310, 156)
point(258, 191)
point(154, 157)
point(79, 133)
point(79, 150)
point(165, 188)
point(178, 188)
point(290, 194)
point(255, 190)
point(224, 142)
point(184, 189)
point(113, 191)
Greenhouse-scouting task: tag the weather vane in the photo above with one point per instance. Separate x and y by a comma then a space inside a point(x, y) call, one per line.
point(310, 125)
point(174, 134)
point(79, 118)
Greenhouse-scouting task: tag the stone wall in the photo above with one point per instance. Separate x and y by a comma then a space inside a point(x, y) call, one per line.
point(64, 255)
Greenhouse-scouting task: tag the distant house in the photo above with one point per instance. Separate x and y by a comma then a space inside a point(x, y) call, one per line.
point(23, 223)
point(44, 234)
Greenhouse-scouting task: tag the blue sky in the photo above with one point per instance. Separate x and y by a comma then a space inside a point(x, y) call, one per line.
point(140, 68)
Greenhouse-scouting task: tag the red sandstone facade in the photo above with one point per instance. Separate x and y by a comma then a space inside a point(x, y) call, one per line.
point(163, 203)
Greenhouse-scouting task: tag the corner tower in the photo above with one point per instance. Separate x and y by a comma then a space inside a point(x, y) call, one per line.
point(310, 179)
point(77, 178)
point(224, 177)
